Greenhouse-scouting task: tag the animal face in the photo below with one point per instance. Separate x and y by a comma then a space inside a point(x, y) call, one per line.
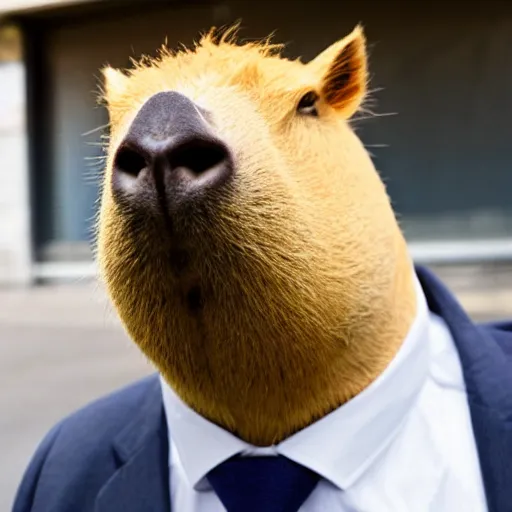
point(243, 228)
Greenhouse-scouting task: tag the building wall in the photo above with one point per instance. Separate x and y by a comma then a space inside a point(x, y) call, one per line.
point(15, 247)
point(443, 66)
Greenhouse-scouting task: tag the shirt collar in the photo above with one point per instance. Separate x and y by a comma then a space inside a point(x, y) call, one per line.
point(340, 446)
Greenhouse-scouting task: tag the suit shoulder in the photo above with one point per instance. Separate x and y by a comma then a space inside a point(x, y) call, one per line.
point(78, 449)
point(90, 430)
point(107, 414)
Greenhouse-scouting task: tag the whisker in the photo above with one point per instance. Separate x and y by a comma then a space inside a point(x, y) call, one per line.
point(94, 130)
point(97, 144)
point(372, 115)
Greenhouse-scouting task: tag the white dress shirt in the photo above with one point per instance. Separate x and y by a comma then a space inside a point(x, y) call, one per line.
point(405, 444)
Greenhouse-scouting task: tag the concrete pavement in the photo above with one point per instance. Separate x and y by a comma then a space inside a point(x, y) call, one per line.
point(62, 346)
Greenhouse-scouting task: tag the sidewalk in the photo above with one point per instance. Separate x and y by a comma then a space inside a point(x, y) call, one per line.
point(62, 346)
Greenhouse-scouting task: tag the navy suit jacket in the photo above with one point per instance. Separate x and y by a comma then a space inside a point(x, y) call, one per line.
point(112, 456)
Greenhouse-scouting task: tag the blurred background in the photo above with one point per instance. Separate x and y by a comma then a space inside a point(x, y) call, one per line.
point(441, 138)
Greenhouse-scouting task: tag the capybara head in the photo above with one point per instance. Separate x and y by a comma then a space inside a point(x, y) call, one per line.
point(245, 237)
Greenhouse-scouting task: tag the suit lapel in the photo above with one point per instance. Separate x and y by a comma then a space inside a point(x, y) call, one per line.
point(488, 377)
point(142, 481)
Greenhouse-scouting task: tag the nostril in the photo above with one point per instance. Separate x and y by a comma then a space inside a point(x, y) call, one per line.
point(129, 161)
point(198, 156)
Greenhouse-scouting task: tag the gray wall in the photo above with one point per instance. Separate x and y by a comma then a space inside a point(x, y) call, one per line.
point(446, 69)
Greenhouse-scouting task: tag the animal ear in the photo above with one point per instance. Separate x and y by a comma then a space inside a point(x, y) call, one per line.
point(343, 71)
point(114, 83)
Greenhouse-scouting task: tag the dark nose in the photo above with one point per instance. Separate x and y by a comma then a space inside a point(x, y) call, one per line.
point(170, 144)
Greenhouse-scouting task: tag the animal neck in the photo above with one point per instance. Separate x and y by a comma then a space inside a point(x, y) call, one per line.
point(264, 395)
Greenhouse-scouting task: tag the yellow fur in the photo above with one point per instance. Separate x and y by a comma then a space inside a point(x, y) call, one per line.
point(304, 273)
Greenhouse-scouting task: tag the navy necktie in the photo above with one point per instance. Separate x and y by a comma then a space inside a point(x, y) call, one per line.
point(262, 484)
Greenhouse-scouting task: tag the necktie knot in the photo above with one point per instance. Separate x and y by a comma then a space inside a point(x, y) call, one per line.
point(262, 484)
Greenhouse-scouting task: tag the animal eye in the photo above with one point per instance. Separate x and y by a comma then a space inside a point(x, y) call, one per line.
point(307, 104)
